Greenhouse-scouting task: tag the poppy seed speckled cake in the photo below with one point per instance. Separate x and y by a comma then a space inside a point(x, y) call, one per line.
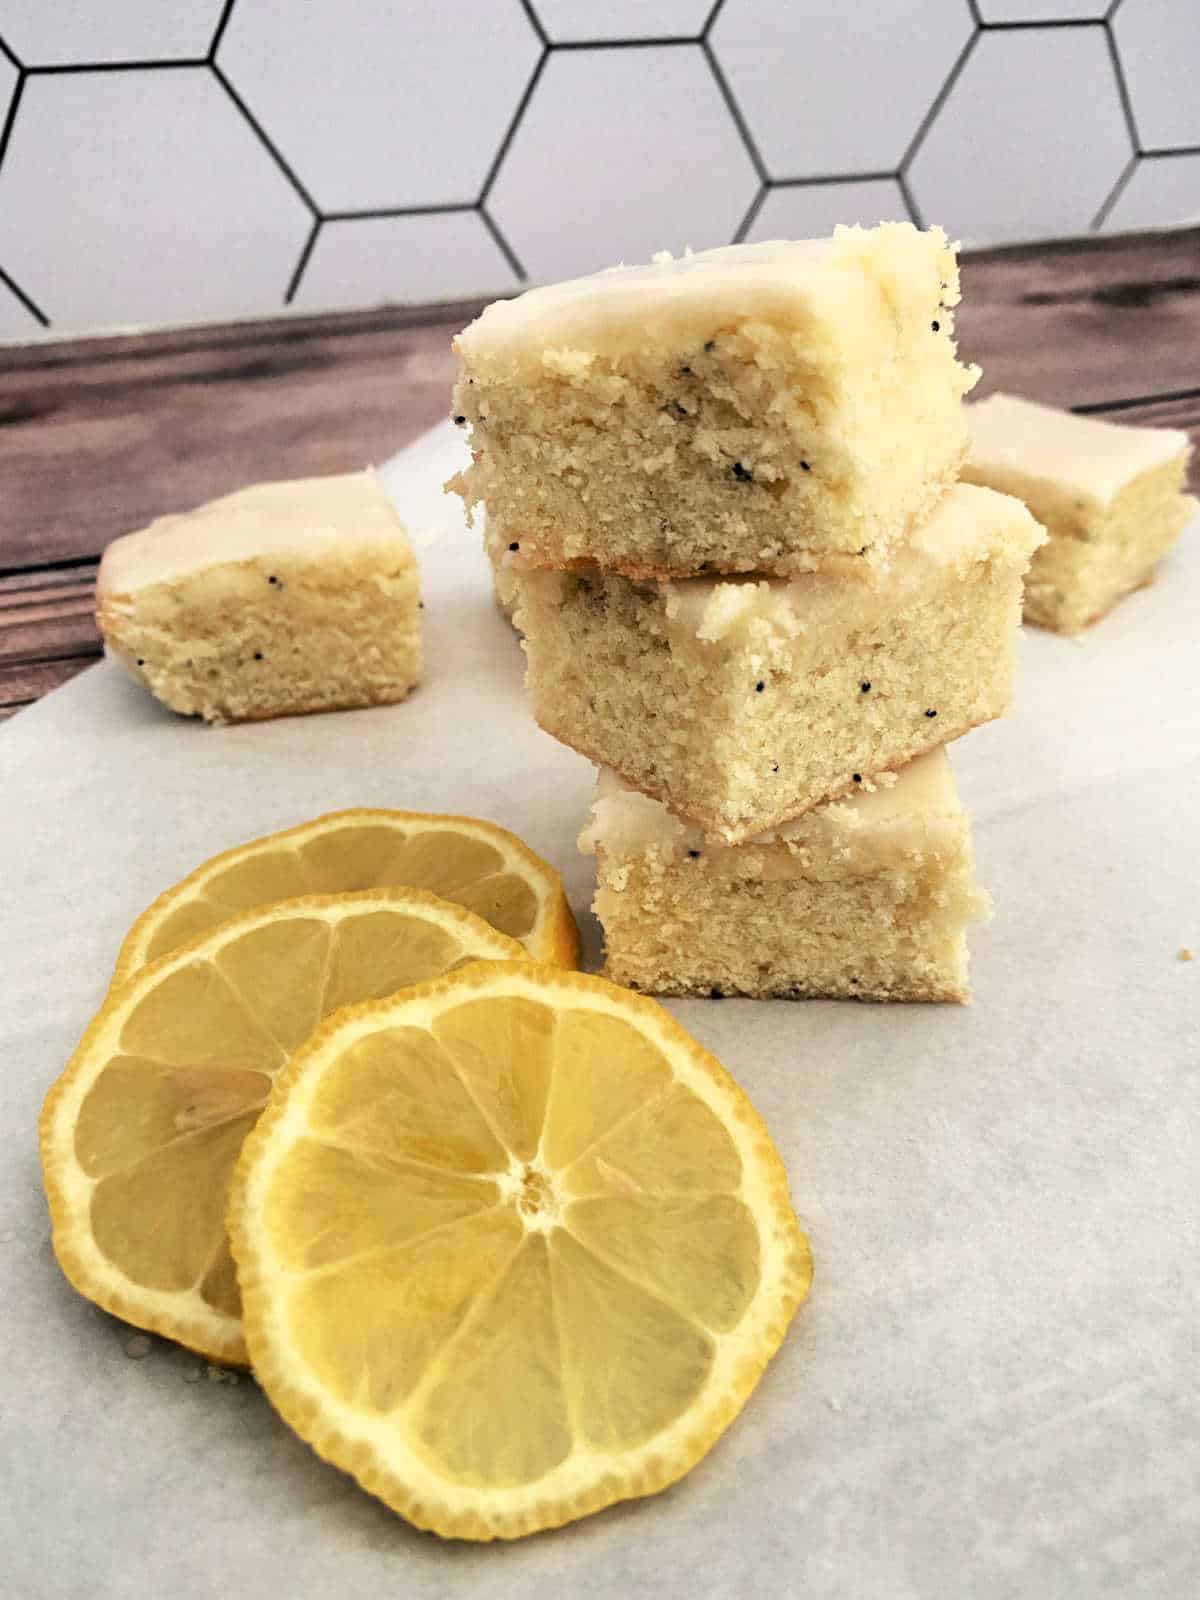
point(774, 408)
point(282, 598)
point(866, 898)
point(743, 703)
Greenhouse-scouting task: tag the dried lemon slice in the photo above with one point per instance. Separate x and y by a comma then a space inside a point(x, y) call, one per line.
point(512, 1247)
point(140, 1133)
point(474, 864)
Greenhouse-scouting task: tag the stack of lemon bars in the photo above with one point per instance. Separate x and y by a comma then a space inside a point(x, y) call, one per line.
point(723, 493)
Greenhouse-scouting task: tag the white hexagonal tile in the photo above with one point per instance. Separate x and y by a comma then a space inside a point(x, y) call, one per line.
point(567, 21)
point(822, 96)
point(17, 322)
point(587, 182)
point(142, 197)
point(47, 33)
point(377, 104)
point(1159, 46)
point(1012, 154)
point(8, 82)
point(808, 210)
point(1043, 10)
point(1163, 191)
point(375, 261)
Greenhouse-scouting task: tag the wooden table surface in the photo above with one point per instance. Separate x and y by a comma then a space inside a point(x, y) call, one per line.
point(99, 436)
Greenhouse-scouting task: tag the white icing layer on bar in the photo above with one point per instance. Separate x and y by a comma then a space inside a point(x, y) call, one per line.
point(878, 824)
point(306, 517)
point(1077, 455)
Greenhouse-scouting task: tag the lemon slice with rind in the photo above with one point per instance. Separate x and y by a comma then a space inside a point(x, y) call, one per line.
point(472, 863)
point(140, 1133)
point(512, 1247)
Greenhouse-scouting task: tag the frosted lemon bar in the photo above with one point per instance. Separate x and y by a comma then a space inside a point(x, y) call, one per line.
point(740, 704)
point(867, 898)
point(773, 408)
point(1109, 496)
point(282, 598)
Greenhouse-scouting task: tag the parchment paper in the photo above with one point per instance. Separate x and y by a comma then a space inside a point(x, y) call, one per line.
point(992, 1389)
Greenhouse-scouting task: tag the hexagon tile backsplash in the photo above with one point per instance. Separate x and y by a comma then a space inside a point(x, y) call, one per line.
point(209, 159)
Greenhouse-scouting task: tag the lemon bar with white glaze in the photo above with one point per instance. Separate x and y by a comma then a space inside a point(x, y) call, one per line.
point(775, 408)
point(866, 898)
point(282, 598)
point(1110, 497)
point(741, 704)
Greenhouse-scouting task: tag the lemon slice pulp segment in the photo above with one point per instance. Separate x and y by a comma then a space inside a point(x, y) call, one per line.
point(140, 1133)
point(472, 863)
point(512, 1247)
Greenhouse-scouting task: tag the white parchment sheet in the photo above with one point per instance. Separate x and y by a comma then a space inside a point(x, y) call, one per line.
point(992, 1390)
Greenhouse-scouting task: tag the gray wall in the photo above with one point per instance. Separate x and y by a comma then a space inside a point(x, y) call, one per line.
point(168, 161)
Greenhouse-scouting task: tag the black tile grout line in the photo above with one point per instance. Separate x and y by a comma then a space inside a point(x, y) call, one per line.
point(718, 6)
point(1114, 194)
point(973, 8)
point(11, 116)
point(266, 143)
point(5, 51)
point(910, 200)
point(830, 177)
point(735, 111)
point(939, 100)
point(535, 22)
point(650, 43)
point(1094, 407)
point(289, 293)
point(1036, 27)
point(379, 213)
point(219, 31)
point(73, 69)
point(1169, 150)
point(501, 243)
point(751, 217)
point(30, 305)
point(1113, 9)
point(514, 123)
point(1122, 89)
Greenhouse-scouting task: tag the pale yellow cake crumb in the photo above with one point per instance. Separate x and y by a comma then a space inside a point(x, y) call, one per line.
point(741, 704)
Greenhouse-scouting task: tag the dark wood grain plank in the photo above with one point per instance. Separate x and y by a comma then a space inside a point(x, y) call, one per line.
point(1085, 321)
point(100, 436)
point(21, 684)
point(47, 631)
